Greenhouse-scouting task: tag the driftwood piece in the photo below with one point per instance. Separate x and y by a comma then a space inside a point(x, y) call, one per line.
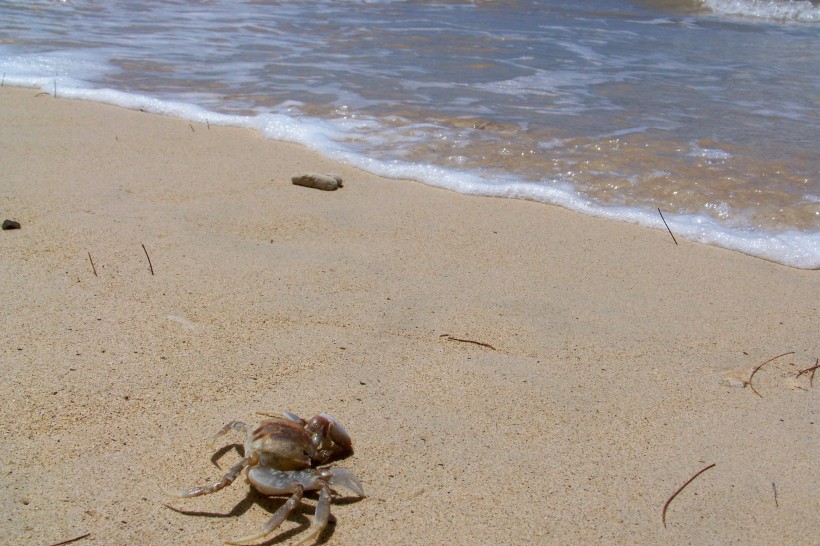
point(326, 182)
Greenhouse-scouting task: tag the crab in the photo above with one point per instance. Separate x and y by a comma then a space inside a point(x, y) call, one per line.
point(283, 454)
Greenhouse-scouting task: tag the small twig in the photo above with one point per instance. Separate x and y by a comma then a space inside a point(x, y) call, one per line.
point(667, 226)
point(758, 368)
point(812, 370)
point(92, 265)
point(149, 259)
point(451, 338)
point(675, 494)
point(69, 541)
point(191, 125)
point(774, 489)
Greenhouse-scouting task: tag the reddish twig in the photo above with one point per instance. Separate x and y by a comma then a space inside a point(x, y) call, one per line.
point(812, 370)
point(451, 338)
point(69, 541)
point(675, 494)
point(92, 265)
point(667, 226)
point(758, 368)
point(149, 259)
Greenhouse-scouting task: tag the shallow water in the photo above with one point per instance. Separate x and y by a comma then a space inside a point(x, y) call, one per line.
point(709, 110)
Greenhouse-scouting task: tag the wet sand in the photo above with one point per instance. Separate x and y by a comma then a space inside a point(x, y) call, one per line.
point(615, 363)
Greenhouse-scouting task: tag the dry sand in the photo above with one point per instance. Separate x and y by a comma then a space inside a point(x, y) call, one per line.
point(609, 384)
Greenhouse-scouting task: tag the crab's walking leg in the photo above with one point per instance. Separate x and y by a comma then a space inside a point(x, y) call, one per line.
point(226, 480)
point(233, 425)
point(320, 517)
point(276, 520)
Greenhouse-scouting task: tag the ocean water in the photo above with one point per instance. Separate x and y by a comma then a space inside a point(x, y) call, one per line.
point(706, 109)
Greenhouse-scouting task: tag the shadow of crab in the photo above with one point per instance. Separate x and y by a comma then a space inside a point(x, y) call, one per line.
point(300, 515)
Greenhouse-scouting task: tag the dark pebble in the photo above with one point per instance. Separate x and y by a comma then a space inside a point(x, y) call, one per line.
point(11, 224)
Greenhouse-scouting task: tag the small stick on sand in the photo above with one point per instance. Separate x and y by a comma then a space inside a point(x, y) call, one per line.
point(451, 338)
point(191, 125)
point(758, 368)
point(149, 259)
point(675, 494)
point(667, 226)
point(812, 370)
point(774, 489)
point(92, 265)
point(69, 541)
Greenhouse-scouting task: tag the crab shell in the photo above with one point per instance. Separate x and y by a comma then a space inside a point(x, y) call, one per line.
point(281, 444)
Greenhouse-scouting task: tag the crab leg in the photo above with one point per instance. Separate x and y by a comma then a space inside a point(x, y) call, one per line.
point(233, 425)
point(226, 480)
point(320, 517)
point(290, 416)
point(276, 520)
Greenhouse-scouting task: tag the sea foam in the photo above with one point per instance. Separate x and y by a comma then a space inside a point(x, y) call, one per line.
point(778, 10)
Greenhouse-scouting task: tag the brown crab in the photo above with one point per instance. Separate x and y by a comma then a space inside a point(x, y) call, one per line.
point(282, 457)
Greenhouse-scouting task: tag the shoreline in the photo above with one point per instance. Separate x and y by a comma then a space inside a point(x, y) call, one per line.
point(607, 384)
point(790, 247)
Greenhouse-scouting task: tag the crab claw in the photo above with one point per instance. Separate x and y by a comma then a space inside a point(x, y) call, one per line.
point(346, 479)
point(329, 437)
point(337, 432)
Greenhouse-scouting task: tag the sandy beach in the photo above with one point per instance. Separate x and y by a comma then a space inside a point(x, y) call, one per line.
point(613, 364)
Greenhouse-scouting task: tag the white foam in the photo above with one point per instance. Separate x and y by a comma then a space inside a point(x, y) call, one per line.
point(47, 70)
point(54, 63)
point(778, 10)
point(709, 153)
